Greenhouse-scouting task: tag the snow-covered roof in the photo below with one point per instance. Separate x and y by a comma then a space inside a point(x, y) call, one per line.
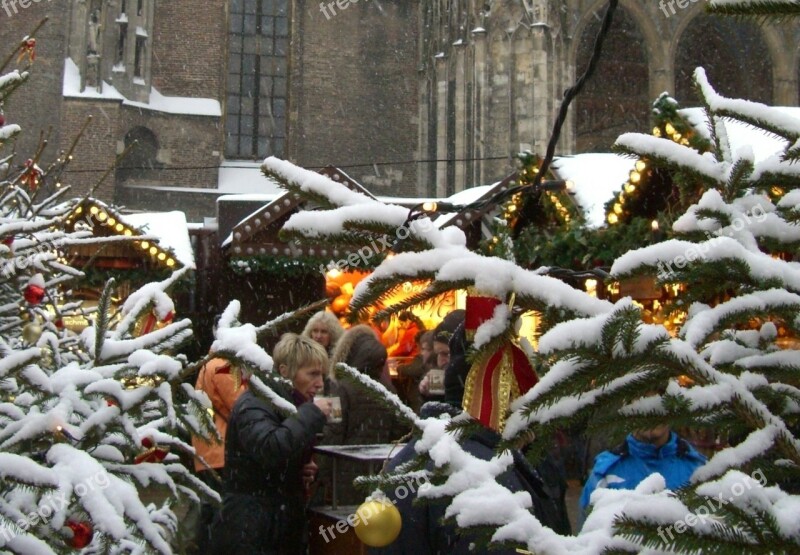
point(245, 176)
point(183, 105)
point(596, 177)
point(171, 230)
point(740, 134)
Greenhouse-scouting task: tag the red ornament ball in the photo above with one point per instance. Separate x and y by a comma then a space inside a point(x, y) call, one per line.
point(147, 443)
point(33, 293)
point(59, 323)
point(81, 534)
point(2, 120)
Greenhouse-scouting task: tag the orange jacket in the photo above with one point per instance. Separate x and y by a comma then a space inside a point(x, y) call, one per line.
point(216, 380)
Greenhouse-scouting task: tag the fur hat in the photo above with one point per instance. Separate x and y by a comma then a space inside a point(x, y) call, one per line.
point(360, 348)
point(445, 330)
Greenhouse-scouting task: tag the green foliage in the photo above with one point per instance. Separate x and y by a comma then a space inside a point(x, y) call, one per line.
point(579, 247)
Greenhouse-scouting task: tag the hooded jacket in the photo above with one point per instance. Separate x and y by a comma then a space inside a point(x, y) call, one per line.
point(216, 380)
point(627, 465)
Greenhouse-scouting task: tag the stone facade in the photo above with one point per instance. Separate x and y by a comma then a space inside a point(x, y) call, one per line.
point(410, 98)
point(494, 72)
point(353, 96)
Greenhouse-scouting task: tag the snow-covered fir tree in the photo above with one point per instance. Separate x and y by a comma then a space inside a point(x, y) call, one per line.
point(732, 369)
point(89, 421)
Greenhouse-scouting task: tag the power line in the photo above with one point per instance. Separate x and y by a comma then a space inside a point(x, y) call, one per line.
point(343, 166)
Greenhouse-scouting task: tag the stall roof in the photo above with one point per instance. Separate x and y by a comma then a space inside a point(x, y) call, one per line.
point(171, 230)
point(596, 178)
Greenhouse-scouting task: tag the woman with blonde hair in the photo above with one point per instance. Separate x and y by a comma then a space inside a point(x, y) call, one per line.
point(324, 328)
point(268, 463)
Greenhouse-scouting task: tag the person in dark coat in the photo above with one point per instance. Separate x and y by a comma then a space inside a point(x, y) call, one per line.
point(365, 420)
point(422, 532)
point(268, 463)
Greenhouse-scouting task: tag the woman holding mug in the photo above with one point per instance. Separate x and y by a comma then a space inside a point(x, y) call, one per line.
point(268, 463)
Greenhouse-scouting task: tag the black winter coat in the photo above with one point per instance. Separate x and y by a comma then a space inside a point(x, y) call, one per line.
point(263, 509)
point(423, 533)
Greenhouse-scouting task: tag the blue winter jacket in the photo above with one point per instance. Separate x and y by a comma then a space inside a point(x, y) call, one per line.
point(626, 466)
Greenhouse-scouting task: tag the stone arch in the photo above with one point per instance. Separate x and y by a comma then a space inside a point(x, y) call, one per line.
point(142, 158)
point(617, 98)
point(724, 60)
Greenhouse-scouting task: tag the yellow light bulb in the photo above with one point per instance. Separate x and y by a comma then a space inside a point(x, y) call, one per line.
point(656, 132)
point(612, 218)
point(162, 256)
point(635, 177)
point(111, 221)
point(630, 188)
point(94, 210)
point(641, 165)
point(617, 208)
point(145, 245)
point(119, 227)
point(170, 263)
point(669, 128)
point(153, 250)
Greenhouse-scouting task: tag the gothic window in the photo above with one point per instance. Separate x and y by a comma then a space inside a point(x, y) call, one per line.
point(734, 55)
point(121, 38)
point(616, 99)
point(139, 57)
point(257, 79)
point(141, 159)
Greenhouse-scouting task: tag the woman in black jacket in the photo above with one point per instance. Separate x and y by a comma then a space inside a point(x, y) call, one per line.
point(268, 459)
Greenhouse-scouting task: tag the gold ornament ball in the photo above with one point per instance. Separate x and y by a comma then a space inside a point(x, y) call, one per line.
point(378, 523)
point(31, 333)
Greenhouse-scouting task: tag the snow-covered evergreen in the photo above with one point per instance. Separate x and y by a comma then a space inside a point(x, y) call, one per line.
point(732, 369)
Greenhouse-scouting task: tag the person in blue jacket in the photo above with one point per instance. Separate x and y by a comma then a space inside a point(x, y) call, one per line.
point(643, 453)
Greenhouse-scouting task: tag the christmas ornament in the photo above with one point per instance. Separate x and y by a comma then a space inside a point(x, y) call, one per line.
point(59, 324)
point(31, 333)
point(378, 523)
point(498, 376)
point(150, 322)
point(31, 175)
point(2, 120)
point(153, 452)
point(82, 533)
point(28, 48)
point(34, 291)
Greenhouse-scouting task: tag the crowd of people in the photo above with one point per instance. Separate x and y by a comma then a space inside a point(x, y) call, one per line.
point(269, 476)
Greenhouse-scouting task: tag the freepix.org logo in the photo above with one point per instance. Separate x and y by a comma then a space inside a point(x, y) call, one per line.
point(11, 7)
point(670, 5)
